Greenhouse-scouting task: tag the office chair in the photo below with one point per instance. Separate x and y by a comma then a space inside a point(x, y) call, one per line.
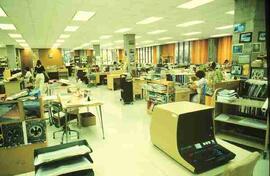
point(57, 117)
point(244, 167)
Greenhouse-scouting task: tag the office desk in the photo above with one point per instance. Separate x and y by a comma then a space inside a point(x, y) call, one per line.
point(69, 101)
point(113, 81)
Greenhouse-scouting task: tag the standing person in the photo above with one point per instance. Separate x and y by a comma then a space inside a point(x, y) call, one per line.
point(200, 86)
point(40, 78)
point(28, 78)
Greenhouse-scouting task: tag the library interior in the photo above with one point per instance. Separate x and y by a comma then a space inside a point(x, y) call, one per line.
point(134, 87)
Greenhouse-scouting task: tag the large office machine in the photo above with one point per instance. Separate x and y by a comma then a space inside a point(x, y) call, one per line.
point(185, 131)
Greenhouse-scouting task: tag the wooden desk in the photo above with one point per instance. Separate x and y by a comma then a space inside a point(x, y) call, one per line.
point(137, 86)
point(69, 101)
point(112, 83)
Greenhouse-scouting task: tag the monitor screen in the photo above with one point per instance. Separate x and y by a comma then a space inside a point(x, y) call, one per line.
point(195, 127)
point(32, 109)
point(236, 70)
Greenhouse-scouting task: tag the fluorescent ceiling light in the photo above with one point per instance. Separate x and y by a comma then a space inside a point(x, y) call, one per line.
point(230, 12)
point(157, 31)
point(62, 36)
point(105, 36)
point(119, 41)
point(191, 39)
point(83, 15)
point(60, 41)
point(224, 27)
point(7, 27)
point(165, 38)
point(190, 23)
point(56, 45)
point(137, 37)
point(15, 35)
point(122, 30)
point(193, 4)
point(71, 28)
point(192, 33)
point(94, 41)
point(2, 13)
point(25, 45)
point(20, 41)
point(220, 35)
point(149, 20)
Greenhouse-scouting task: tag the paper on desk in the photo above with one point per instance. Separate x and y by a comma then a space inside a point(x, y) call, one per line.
point(60, 154)
point(69, 166)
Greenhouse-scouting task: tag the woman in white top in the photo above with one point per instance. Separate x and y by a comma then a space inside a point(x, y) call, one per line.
point(200, 85)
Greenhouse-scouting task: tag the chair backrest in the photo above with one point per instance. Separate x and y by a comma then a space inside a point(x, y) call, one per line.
point(55, 109)
point(244, 167)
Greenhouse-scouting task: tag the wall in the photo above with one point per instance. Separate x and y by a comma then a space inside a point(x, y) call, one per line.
point(26, 58)
point(51, 57)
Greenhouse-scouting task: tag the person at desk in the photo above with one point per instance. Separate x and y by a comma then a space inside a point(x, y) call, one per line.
point(215, 75)
point(227, 66)
point(40, 76)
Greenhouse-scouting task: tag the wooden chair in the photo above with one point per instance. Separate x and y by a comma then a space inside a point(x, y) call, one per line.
point(244, 167)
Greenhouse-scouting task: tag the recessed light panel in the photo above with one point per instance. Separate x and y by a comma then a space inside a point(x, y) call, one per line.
point(62, 36)
point(15, 35)
point(2, 13)
point(220, 35)
point(7, 27)
point(20, 41)
point(165, 38)
point(60, 41)
point(122, 30)
point(194, 3)
point(224, 27)
point(83, 15)
point(157, 31)
point(149, 20)
point(71, 28)
point(190, 23)
point(192, 33)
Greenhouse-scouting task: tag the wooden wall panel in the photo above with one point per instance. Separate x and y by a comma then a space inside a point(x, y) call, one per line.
point(154, 55)
point(51, 57)
point(199, 52)
point(224, 50)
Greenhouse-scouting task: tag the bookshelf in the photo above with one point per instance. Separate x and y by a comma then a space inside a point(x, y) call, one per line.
point(159, 92)
point(242, 122)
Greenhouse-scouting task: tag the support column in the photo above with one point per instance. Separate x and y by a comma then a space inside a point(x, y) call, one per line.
point(212, 49)
point(96, 53)
point(252, 14)
point(11, 55)
point(130, 51)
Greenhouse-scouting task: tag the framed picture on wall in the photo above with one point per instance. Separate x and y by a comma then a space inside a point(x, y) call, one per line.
point(240, 27)
point(237, 48)
point(245, 37)
point(261, 36)
point(256, 47)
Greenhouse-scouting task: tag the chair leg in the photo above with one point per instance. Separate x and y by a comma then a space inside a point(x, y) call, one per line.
point(75, 131)
point(62, 140)
point(57, 132)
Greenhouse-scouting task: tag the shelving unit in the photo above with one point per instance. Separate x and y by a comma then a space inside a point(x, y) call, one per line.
point(3, 62)
point(159, 92)
point(234, 126)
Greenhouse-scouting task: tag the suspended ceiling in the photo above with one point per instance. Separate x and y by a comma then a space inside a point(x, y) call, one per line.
point(41, 22)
